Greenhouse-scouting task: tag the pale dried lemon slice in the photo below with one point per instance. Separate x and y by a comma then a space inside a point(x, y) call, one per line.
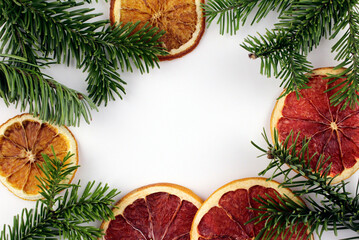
point(182, 20)
point(22, 141)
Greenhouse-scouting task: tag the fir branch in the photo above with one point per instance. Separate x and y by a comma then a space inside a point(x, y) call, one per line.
point(46, 32)
point(284, 50)
point(66, 33)
point(302, 24)
point(231, 13)
point(90, 206)
point(62, 215)
point(347, 49)
point(31, 224)
point(338, 210)
point(75, 230)
point(55, 173)
point(21, 83)
point(286, 63)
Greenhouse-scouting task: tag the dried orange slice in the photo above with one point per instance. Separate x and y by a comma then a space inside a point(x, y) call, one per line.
point(182, 20)
point(22, 141)
point(333, 132)
point(224, 214)
point(158, 212)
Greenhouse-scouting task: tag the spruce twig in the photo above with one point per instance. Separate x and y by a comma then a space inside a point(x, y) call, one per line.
point(232, 13)
point(338, 210)
point(22, 83)
point(347, 49)
point(302, 24)
point(45, 32)
point(62, 215)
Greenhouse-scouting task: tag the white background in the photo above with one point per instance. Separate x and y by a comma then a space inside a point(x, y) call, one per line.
point(189, 122)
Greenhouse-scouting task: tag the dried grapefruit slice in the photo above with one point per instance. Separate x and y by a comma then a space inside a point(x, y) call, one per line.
point(333, 132)
point(224, 214)
point(155, 212)
point(22, 141)
point(182, 20)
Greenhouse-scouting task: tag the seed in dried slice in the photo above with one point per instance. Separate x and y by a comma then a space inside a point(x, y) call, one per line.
point(22, 141)
point(182, 20)
point(155, 212)
point(333, 132)
point(225, 213)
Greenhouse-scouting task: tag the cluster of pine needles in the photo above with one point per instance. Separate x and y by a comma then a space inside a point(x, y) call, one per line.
point(338, 209)
point(301, 26)
point(35, 34)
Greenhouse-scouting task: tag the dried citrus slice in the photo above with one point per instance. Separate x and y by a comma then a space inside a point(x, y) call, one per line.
point(333, 132)
point(158, 212)
point(182, 20)
point(22, 141)
point(224, 214)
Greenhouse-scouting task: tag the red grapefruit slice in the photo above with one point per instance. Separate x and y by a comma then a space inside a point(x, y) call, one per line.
point(333, 132)
point(155, 212)
point(224, 214)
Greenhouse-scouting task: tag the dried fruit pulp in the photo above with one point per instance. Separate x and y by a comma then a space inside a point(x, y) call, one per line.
point(224, 214)
point(22, 141)
point(333, 132)
point(182, 20)
point(157, 212)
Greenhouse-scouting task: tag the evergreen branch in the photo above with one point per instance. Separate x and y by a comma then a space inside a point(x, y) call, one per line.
point(277, 58)
point(347, 49)
point(22, 83)
point(302, 24)
point(231, 13)
point(75, 230)
point(45, 32)
point(300, 29)
point(124, 45)
point(55, 173)
point(338, 210)
point(306, 22)
point(75, 208)
point(32, 224)
point(67, 33)
point(63, 216)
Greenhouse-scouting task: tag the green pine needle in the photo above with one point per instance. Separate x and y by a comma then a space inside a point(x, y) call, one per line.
point(64, 215)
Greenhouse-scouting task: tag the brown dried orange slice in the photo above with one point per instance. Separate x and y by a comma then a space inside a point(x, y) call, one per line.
point(333, 132)
point(155, 212)
point(225, 213)
point(182, 20)
point(22, 141)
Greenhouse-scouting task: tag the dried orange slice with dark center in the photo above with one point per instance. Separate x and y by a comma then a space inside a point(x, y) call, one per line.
point(22, 141)
point(182, 20)
point(225, 213)
point(155, 212)
point(333, 132)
